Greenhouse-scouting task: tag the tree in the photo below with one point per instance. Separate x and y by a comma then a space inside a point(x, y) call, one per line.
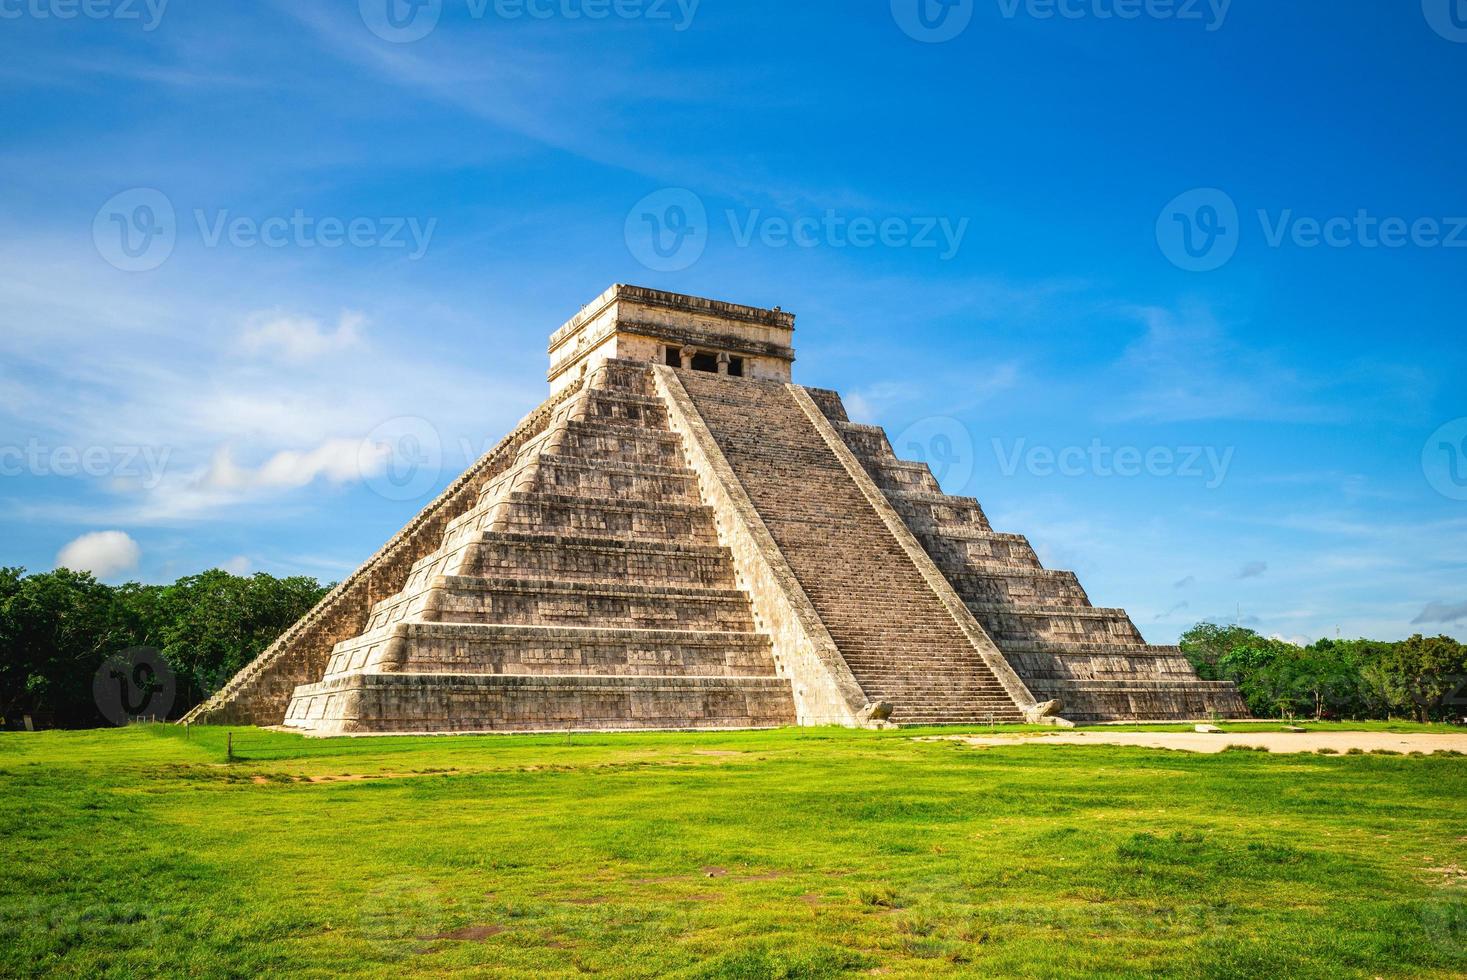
point(58, 628)
point(1207, 643)
point(1429, 670)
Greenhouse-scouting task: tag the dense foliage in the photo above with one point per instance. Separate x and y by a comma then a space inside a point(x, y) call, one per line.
point(58, 628)
point(1423, 677)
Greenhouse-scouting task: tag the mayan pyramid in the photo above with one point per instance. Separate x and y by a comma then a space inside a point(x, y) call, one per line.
point(680, 537)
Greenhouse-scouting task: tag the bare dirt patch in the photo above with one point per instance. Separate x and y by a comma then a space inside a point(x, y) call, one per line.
point(1283, 742)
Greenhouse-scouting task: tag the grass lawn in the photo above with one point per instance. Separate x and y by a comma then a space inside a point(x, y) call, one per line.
point(763, 854)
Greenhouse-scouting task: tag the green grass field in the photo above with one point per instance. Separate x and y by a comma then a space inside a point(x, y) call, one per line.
point(797, 853)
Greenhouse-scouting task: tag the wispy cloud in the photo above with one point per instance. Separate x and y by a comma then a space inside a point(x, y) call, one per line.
point(298, 339)
point(1186, 368)
point(1442, 612)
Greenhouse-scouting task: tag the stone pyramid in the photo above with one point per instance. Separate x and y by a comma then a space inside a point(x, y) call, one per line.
point(680, 537)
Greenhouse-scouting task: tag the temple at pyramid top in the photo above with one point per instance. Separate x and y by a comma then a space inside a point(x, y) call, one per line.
point(681, 537)
point(639, 324)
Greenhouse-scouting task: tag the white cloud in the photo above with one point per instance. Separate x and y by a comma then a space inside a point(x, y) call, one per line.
point(103, 553)
point(238, 565)
point(297, 339)
point(336, 460)
point(1253, 569)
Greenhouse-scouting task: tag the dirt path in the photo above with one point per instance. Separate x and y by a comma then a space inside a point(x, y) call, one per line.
point(1198, 742)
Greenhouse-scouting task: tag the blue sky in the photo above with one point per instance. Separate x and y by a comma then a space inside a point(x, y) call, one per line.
point(344, 231)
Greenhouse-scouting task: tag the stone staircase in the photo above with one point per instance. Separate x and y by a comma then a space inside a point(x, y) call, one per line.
point(585, 590)
point(1092, 659)
point(901, 644)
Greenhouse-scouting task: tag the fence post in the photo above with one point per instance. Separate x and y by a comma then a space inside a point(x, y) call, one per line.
point(229, 746)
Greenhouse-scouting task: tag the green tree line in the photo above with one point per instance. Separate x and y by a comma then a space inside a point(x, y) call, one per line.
point(58, 628)
point(1423, 678)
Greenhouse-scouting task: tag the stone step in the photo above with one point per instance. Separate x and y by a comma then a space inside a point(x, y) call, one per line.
point(972, 549)
point(897, 475)
point(593, 559)
point(1019, 585)
point(938, 510)
point(495, 648)
point(621, 605)
point(619, 480)
point(594, 440)
point(868, 442)
point(622, 408)
point(531, 512)
point(501, 600)
point(366, 703)
point(1023, 621)
point(622, 374)
point(1085, 648)
point(1124, 699)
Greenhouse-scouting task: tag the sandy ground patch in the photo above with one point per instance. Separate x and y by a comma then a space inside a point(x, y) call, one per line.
point(1199, 742)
